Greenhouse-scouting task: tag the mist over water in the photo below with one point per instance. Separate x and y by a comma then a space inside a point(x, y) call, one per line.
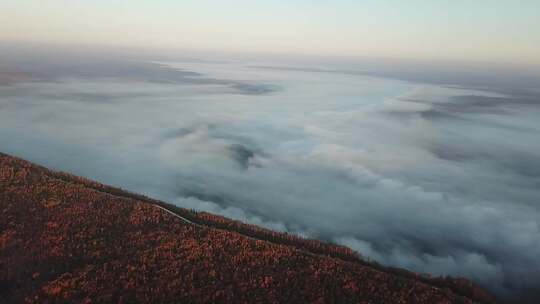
point(434, 176)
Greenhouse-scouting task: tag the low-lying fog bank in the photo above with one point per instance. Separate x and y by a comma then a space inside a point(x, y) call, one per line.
point(415, 171)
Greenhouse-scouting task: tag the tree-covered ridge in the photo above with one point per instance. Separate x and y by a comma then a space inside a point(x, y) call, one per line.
point(68, 239)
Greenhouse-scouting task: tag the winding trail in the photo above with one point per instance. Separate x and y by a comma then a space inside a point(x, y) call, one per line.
point(176, 215)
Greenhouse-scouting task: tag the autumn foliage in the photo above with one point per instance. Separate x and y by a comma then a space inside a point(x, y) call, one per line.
point(67, 239)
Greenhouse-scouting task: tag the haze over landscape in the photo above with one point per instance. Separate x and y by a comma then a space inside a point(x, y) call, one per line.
point(407, 131)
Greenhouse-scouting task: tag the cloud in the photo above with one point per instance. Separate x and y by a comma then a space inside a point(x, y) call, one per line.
point(434, 179)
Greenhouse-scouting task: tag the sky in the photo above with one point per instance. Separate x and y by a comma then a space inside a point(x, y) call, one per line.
point(483, 30)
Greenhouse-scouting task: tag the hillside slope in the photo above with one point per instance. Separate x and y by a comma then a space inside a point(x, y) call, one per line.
point(68, 239)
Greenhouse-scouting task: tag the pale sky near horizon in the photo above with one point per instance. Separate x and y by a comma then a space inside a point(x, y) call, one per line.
point(481, 30)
